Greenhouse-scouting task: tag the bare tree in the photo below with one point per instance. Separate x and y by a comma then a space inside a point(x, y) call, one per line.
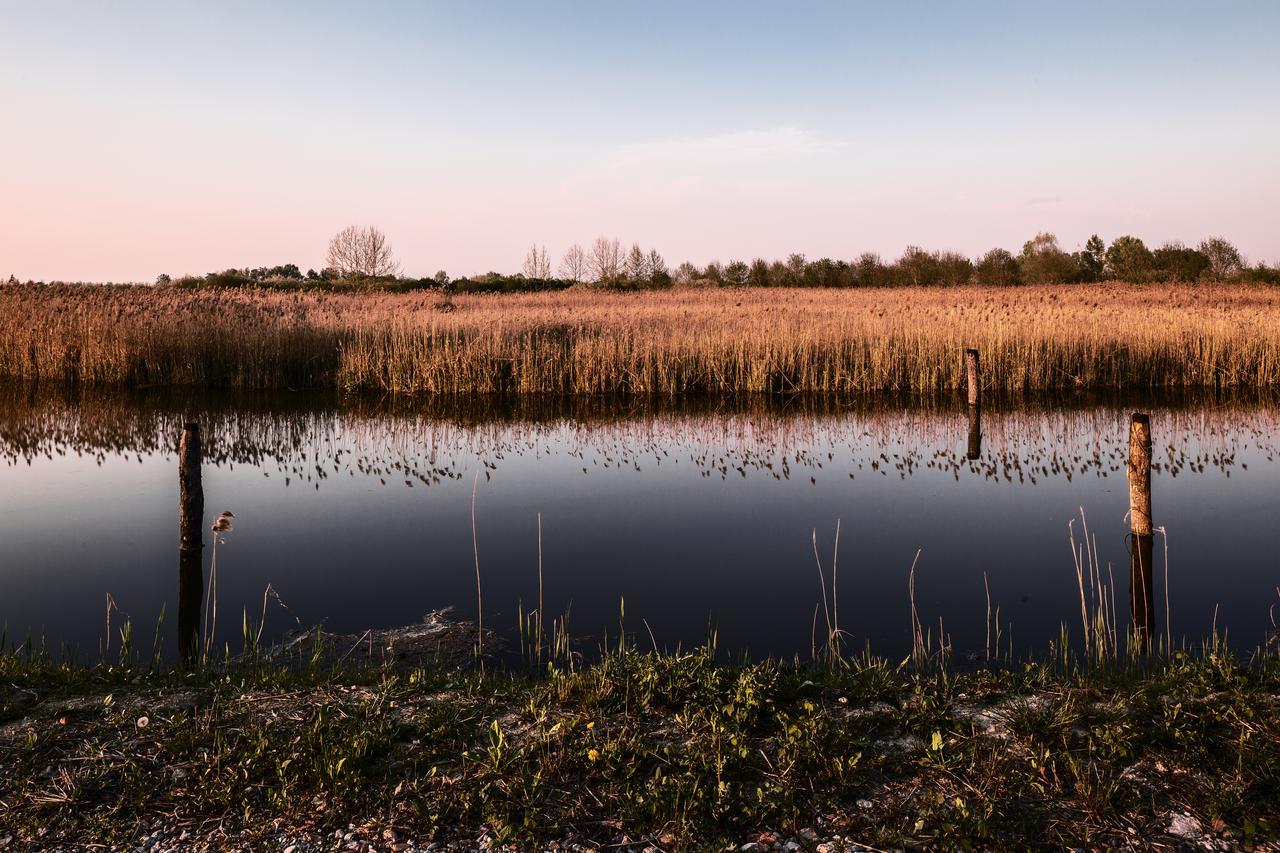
point(536, 264)
point(361, 251)
point(574, 264)
point(605, 262)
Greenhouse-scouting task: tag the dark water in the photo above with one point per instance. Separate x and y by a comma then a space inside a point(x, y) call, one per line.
point(358, 514)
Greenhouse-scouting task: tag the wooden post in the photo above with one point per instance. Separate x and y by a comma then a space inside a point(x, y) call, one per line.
point(190, 489)
point(190, 542)
point(1141, 586)
point(1140, 475)
point(974, 377)
point(975, 432)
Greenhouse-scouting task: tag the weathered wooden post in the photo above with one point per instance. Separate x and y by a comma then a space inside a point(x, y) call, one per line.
point(190, 542)
point(975, 432)
point(974, 376)
point(1141, 587)
point(974, 381)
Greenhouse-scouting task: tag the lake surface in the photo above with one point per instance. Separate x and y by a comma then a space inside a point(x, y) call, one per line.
point(700, 515)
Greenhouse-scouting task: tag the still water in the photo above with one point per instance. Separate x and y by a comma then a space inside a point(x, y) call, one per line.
point(700, 516)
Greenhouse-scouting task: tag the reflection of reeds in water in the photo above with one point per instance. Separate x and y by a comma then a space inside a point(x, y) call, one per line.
point(752, 437)
point(676, 342)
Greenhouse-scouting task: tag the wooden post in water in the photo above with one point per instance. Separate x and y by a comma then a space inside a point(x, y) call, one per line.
point(974, 380)
point(975, 432)
point(973, 375)
point(1141, 587)
point(190, 542)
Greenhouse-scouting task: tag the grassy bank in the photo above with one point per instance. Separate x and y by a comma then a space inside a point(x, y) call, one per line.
point(678, 751)
point(908, 340)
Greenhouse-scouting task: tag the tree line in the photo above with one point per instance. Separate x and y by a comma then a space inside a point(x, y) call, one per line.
point(363, 256)
point(1041, 261)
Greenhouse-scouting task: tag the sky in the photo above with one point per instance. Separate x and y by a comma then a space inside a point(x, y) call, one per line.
point(144, 138)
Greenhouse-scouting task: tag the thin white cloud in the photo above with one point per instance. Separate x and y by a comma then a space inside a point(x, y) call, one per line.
point(743, 147)
point(687, 166)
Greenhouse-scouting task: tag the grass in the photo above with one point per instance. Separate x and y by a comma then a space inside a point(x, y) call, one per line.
point(1100, 337)
point(673, 748)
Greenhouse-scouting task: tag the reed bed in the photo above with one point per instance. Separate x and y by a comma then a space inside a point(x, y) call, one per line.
point(581, 342)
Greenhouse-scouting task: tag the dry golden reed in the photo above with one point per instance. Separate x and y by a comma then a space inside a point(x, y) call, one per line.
point(1104, 336)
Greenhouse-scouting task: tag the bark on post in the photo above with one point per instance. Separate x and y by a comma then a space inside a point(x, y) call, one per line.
point(1141, 586)
point(973, 375)
point(1140, 475)
point(190, 542)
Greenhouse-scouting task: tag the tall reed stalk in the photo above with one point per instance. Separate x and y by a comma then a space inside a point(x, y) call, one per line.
point(475, 550)
point(220, 528)
point(1098, 618)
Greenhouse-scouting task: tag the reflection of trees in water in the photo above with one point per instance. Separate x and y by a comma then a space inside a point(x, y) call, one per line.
point(310, 438)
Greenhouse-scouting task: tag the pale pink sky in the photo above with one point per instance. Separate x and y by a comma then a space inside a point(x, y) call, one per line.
point(146, 138)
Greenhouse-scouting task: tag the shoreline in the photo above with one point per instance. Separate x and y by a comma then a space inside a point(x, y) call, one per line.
point(641, 751)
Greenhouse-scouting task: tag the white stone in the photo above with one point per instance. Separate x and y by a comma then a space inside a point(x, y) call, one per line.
point(1185, 826)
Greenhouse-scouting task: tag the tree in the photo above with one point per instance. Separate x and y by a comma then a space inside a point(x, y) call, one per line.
point(825, 272)
point(636, 269)
point(869, 271)
point(1225, 262)
point(998, 268)
point(573, 265)
point(1092, 262)
point(1129, 259)
point(917, 267)
point(795, 269)
point(361, 252)
point(605, 261)
point(686, 273)
point(954, 269)
point(282, 272)
point(658, 275)
point(735, 274)
point(1175, 262)
point(758, 275)
point(1043, 262)
point(780, 275)
point(536, 264)
point(1260, 273)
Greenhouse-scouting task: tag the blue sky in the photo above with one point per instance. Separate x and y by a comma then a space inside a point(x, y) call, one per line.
point(142, 138)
